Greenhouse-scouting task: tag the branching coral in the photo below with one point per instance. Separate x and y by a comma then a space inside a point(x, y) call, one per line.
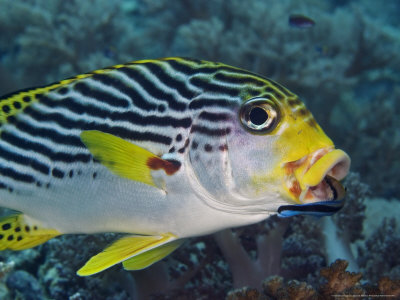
point(52, 41)
point(338, 283)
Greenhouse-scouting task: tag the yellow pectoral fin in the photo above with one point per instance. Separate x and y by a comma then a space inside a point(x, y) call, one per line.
point(123, 249)
point(18, 232)
point(124, 158)
point(148, 258)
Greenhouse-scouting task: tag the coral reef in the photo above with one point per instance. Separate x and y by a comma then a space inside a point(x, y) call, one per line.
point(346, 68)
point(339, 283)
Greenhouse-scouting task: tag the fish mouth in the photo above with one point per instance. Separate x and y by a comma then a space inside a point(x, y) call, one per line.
point(316, 177)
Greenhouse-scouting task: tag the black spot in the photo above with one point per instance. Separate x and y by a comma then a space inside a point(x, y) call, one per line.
point(17, 105)
point(172, 150)
point(302, 112)
point(27, 99)
point(57, 173)
point(63, 91)
point(47, 185)
point(71, 174)
point(181, 150)
point(10, 237)
point(294, 101)
point(208, 148)
point(17, 229)
point(1, 236)
point(19, 238)
point(312, 122)
point(94, 175)
point(179, 137)
point(6, 109)
point(35, 227)
point(194, 145)
point(6, 226)
point(27, 228)
point(38, 184)
point(186, 143)
point(161, 108)
point(223, 147)
point(10, 190)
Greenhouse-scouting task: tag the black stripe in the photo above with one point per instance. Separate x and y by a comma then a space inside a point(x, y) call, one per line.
point(171, 82)
point(181, 68)
point(135, 97)
point(100, 95)
point(280, 88)
point(214, 117)
point(203, 68)
point(51, 134)
point(235, 79)
point(74, 105)
point(152, 89)
point(11, 173)
point(115, 130)
point(310, 208)
point(208, 102)
point(23, 160)
point(274, 92)
point(210, 131)
point(128, 116)
point(42, 149)
point(213, 87)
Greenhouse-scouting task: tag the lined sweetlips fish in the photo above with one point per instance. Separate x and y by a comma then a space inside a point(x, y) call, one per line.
point(161, 150)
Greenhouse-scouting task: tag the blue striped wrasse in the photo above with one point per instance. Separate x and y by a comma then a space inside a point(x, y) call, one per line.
point(161, 150)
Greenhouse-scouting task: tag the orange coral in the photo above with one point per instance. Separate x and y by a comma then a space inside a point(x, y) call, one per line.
point(339, 280)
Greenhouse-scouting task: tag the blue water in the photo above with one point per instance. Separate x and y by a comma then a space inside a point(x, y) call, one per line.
point(346, 67)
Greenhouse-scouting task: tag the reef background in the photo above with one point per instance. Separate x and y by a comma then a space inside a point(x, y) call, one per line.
point(347, 70)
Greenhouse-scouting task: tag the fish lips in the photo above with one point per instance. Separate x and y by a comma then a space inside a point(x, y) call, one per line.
point(315, 178)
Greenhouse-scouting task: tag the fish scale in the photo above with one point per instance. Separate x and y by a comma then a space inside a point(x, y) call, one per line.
point(162, 150)
point(125, 101)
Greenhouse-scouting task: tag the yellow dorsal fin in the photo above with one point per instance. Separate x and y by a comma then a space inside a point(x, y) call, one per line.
point(123, 249)
point(18, 232)
point(124, 158)
point(148, 258)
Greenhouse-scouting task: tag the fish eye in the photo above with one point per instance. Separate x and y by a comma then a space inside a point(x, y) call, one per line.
point(259, 115)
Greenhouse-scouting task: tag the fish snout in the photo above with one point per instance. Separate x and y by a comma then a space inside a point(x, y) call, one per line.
point(316, 177)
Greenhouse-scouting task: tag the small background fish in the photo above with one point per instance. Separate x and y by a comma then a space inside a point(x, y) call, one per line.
point(352, 93)
point(300, 21)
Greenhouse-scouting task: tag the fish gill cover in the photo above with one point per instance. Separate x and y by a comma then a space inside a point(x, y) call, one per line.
point(345, 67)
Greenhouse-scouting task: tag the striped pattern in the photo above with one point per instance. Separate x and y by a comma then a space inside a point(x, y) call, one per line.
point(153, 103)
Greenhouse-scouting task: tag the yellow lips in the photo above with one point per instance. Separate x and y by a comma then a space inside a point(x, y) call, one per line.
point(336, 163)
point(315, 177)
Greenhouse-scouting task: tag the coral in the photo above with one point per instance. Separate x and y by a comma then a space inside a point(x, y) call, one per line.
point(244, 294)
point(24, 286)
point(338, 280)
point(376, 257)
point(338, 283)
point(347, 70)
point(56, 37)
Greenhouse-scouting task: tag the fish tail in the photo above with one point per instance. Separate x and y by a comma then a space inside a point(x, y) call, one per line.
point(18, 232)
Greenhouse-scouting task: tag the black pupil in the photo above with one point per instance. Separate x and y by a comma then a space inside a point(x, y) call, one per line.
point(258, 116)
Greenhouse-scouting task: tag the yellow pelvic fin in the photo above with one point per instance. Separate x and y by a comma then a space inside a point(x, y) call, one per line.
point(150, 257)
point(119, 156)
point(18, 232)
point(123, 249)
